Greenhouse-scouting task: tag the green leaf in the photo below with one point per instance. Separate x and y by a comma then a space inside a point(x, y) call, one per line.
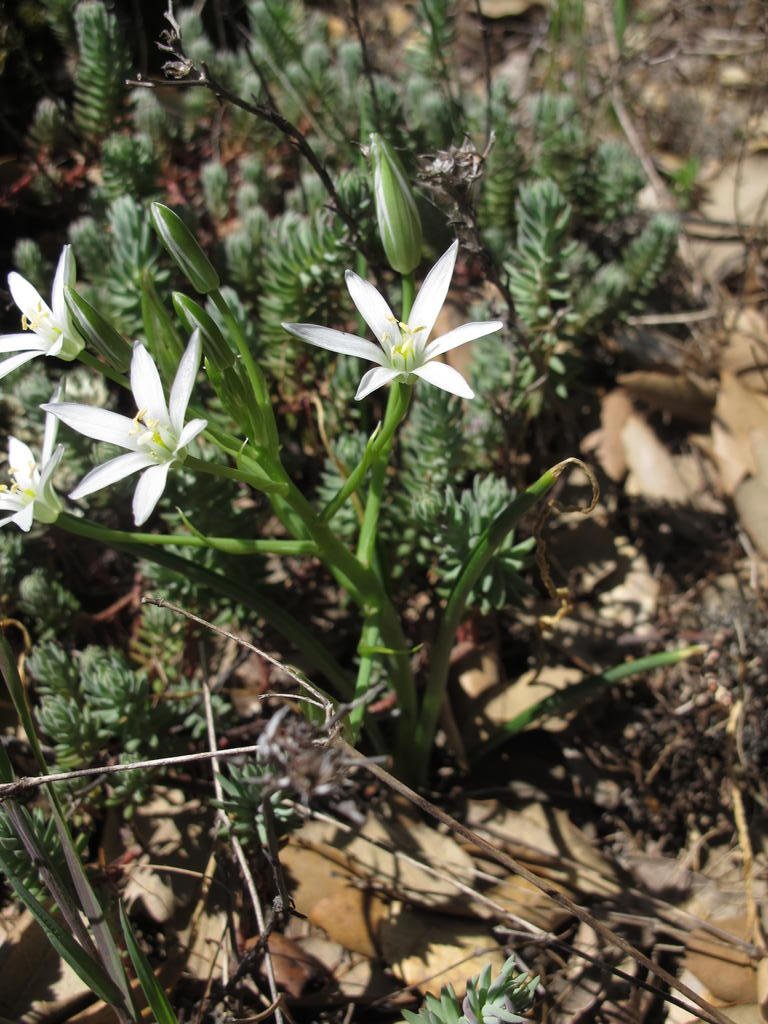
point(579, 693)
point(18, 694)
point(90, 904)
point(83, 965)
point(151, 987)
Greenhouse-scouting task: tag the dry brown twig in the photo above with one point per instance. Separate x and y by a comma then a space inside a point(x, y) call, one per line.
point(237, 849)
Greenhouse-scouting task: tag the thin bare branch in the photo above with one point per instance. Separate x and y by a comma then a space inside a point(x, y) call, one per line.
point(706, 1010)
point(28, 782)
point(237, 848)
point(367, 65)
point(293, 673)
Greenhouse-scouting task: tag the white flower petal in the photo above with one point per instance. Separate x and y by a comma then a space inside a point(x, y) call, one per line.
point(373, 309)
point(432, 293)
point(375, 378)
point(100, 424)
point(27, 342)
point(337, 341)
point(55, 347)
point(184, 381)
point(190, 432)
point(8, 501)
point(49, 467)
point(51, 430)
point(24, 517)
point(65, 275)
point(21, 461)
point(446, 378)
point(9, 365)
point(460, 336)
point(147, 387)
point(110, 472)
point(148, 491)
point(26, 296)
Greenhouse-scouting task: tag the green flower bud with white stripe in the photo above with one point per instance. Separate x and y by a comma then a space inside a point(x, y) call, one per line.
point(396, 211)
point(185, 249)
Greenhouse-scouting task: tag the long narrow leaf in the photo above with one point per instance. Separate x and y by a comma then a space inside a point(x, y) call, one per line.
point(19, 697)
point(153, 990)
point(485, 548)
point(579, 693)
point(88, 969)
point(24, 829)
point(105, 942)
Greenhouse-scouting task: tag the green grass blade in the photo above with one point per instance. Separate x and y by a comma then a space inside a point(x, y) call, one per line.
point(579, 693)
point(88, 969)
point(105, 942)
point(151, 987)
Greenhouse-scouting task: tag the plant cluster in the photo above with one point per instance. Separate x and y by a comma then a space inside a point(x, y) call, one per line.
point(499, 1000)
point(226, 438)
point(551, 213)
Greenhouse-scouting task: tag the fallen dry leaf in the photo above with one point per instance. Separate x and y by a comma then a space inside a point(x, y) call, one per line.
point(360, 856)
point(485, 710)
point(353, 917)
point(740, 414)
point(548, 842)
point(727, 972)
point(507, 8)
point(615, 409)
point(745, 352)
point(429, 950)
point(736, 195)
point(684, 396)
point(652, 471)
point(354, 976)
point(34, 980)
point(751, 497)
point(295, 968)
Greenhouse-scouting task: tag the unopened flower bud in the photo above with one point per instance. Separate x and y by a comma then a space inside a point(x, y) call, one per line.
point(98, 331)
point(396, 211)
point(194, 316)
point(184, 248)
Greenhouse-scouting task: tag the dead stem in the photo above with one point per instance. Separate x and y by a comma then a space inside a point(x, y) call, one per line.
point(707, 1011)
point(239, 853)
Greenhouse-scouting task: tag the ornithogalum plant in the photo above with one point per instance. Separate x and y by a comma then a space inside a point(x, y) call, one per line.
point(169, 415)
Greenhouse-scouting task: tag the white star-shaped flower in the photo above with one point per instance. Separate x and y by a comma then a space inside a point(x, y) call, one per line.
point(46, 330)
point(156, 437)
point(403, 348)
point(31, 495)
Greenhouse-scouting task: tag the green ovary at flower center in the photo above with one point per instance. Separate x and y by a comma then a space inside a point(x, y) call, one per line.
point(150, 435)
point(403, 355)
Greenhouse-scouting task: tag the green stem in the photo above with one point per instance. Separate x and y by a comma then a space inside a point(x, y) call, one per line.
point(408, 295)
point(379, 442)
point(486, 546)
point(364, 587)
point(261, 483)
point(397, 407)
point(227, 545)
point(368, 637)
